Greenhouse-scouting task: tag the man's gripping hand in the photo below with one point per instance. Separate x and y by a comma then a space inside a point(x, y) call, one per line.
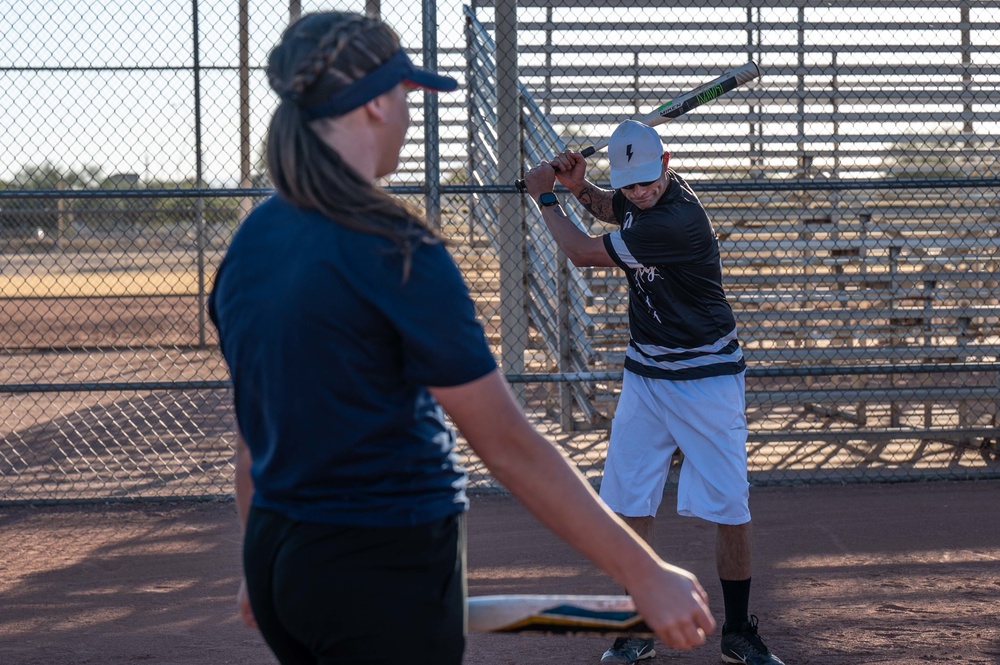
point(571, 170)
point(539, 179)
point(568, 167)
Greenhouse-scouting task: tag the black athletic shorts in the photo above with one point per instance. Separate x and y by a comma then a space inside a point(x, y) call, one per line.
point(332, 594)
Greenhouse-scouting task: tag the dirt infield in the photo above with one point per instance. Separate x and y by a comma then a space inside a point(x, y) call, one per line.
point(844, 575)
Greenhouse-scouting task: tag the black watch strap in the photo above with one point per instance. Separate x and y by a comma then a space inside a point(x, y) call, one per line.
point(548, 199)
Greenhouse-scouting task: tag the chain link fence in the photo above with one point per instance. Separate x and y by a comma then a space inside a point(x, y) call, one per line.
point(854, 187)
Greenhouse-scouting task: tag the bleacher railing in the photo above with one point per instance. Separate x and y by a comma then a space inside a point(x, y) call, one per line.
point(858, 258)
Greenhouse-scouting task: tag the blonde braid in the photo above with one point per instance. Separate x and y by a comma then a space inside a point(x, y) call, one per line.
point(329, 48)
point(333, 43)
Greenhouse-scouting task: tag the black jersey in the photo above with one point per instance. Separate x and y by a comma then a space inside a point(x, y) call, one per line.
point(680, 322)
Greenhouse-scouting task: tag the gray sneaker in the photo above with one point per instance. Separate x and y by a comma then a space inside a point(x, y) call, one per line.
point(627, 650)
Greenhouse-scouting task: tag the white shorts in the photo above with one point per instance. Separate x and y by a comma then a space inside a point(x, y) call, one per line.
point(706, 419)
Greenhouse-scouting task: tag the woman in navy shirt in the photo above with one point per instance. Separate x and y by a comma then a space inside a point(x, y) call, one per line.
point(347, 326)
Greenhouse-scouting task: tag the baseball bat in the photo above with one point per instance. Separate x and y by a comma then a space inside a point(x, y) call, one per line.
point(678, 106)
point(556, 614)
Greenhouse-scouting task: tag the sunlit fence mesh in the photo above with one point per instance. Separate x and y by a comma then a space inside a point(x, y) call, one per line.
point(853, 185)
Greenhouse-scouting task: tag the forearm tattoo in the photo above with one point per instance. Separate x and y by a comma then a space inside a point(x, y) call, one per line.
point(597, 201)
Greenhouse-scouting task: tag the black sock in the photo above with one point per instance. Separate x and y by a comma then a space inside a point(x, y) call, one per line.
point(736, 597)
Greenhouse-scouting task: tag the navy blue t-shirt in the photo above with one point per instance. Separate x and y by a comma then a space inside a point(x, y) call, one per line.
point(330, 352)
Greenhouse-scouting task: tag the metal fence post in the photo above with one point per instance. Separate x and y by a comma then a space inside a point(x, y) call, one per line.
point(513, 321)
point(199, 202)
point(967, 126)
point(470, 105)
point(245, 202)
point(432, 162)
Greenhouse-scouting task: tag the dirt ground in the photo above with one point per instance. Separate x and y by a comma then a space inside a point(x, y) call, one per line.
point(844, 575)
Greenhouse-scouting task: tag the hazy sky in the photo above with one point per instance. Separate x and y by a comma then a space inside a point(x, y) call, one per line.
point(110, 83)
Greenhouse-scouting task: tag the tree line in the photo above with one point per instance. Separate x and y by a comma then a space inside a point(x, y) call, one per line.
point(50, 214)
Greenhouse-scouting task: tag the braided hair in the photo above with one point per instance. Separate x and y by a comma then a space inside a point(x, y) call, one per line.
point(318, 55)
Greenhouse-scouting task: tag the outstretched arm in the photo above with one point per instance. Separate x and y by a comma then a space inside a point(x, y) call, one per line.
point(669, 598)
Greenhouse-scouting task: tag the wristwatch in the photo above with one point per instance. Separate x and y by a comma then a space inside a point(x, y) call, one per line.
point(548, 199)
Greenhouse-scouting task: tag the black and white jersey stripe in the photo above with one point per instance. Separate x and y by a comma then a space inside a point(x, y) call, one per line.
point(725, 356)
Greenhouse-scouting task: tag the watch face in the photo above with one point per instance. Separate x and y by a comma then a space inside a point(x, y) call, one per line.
point(548, 199)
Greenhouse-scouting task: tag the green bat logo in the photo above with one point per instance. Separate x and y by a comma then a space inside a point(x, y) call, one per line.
point(710, 94)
